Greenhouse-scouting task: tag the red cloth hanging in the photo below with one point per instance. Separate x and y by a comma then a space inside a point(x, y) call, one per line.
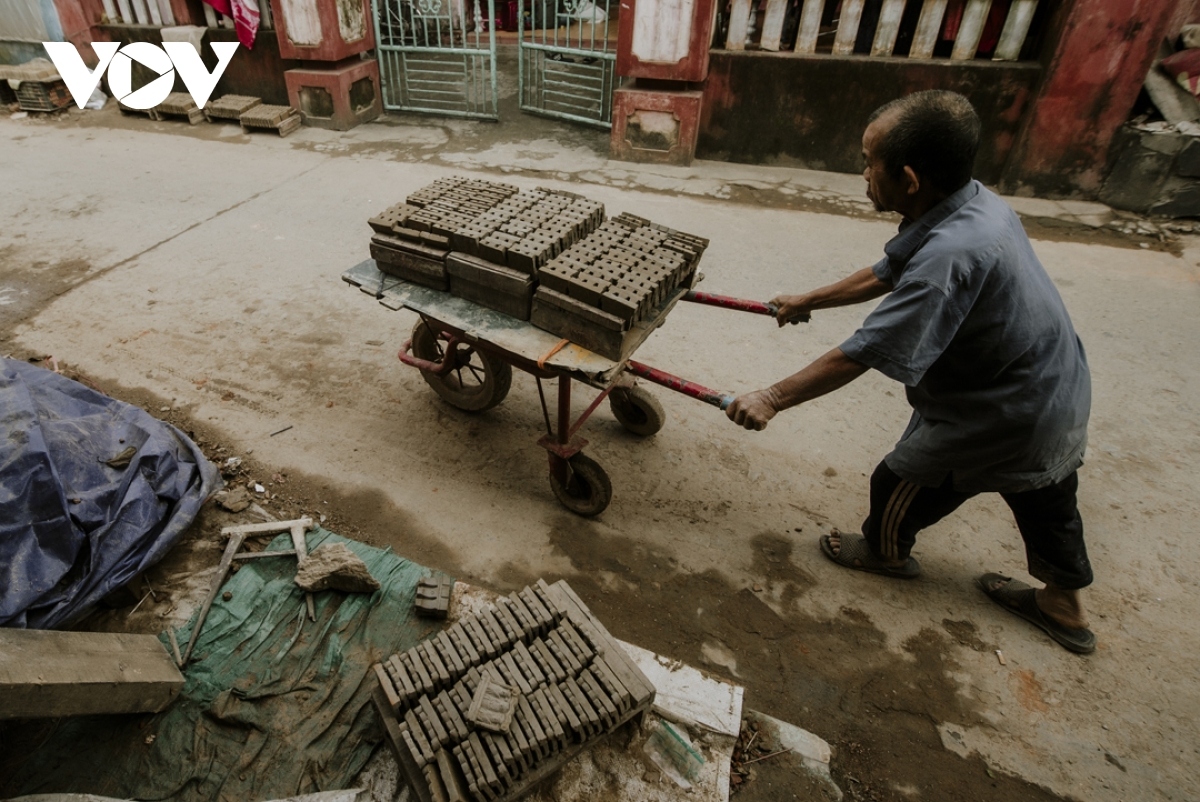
point(245, 18)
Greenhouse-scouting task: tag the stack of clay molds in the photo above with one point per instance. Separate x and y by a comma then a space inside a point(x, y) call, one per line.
point(230, 107)
point(622, 275)
point(498, 701)
point(283, 119)
point(178, 104)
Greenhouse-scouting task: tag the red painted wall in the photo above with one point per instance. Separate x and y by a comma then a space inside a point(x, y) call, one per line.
point(78, 18)
point(1093, 78)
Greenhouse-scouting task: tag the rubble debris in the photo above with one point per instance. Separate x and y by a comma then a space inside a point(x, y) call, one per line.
point(234, 500)
point(334, 566)
point(122, 459)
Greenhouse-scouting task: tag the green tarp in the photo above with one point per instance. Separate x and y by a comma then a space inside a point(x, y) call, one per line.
point(275, 705)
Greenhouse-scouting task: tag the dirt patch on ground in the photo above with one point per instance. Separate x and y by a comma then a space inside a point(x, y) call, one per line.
point(878, 709)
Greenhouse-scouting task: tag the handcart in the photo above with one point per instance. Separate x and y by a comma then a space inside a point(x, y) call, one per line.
point(466, 353)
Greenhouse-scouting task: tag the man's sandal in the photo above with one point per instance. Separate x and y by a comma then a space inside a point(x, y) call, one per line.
point(1021, 600)
point(854, 552)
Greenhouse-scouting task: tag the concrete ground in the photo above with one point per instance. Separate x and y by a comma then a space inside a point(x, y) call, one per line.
point(196, 270)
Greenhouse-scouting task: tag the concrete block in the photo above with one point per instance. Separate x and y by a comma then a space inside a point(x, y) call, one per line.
point(434, 591)
point(616, 691)
point(461, 698)
point(492, 704)
point(403, 680)
point(513, 628)
point(438, 734)
point(598, 697)
point(491, 781)
point(479, 637)
point(433, 781)
point(541, 741)
point(550, 666)
point(566, 712)
point(452, 776)
point(433, 662)
point(548, 718)
point(449, 654)
point(582, 649)
point(509, 666)
point(455, 724)
point(389, 690)
point(423, 747)
point(492, 744)
point(564, 653)
point(588, 716)
point(416, 669)
point(494, 629)
point(414, 750)
point(281, 119)
point(529, 665)
point(543, 592)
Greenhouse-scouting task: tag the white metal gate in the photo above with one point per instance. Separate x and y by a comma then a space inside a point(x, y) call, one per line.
point(435, 56)
point(567, 63)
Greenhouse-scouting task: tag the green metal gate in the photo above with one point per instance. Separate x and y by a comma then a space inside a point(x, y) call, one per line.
point(435, 56)
point(567, 64)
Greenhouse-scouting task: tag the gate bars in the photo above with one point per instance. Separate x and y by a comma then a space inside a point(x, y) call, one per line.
point(435, 57)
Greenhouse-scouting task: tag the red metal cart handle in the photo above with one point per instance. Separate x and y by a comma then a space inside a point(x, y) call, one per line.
point(738, 304)
point(679, 385)
point(448, 363)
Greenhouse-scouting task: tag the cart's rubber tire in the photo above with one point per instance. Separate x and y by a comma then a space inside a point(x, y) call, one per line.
point(588, 490)
point(637, 410)
point(477, 386)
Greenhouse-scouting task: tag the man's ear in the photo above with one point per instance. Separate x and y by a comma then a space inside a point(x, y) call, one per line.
point(914, 182)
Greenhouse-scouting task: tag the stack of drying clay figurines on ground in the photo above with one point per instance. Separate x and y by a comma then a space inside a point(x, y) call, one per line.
point(498, 701)
point(541, 255)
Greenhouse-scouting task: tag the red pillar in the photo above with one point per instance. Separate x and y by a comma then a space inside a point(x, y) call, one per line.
point(1104, 49)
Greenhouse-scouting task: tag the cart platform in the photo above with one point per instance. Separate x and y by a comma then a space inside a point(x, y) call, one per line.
point(516, 337)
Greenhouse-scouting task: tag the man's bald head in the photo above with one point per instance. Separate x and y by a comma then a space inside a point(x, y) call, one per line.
point(936, 133)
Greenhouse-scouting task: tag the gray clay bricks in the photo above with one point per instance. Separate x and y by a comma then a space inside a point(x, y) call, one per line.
point(497, 700)
point(509, 250)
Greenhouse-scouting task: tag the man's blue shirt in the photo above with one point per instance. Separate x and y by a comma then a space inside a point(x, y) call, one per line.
point(976, 330)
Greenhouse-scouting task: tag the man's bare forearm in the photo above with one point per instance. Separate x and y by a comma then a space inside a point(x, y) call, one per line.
point(827, 373)
point(862, 285)
point(855, 288)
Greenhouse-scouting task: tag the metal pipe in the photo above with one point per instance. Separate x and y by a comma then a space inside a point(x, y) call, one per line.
point(738, 304)
point(679, 385)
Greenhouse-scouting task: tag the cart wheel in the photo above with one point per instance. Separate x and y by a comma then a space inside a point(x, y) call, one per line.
point(587, 491)
point(637, 410)
point(480, 382)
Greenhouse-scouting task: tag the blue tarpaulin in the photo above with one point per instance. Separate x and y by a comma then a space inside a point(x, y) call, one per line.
point(74, 527)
